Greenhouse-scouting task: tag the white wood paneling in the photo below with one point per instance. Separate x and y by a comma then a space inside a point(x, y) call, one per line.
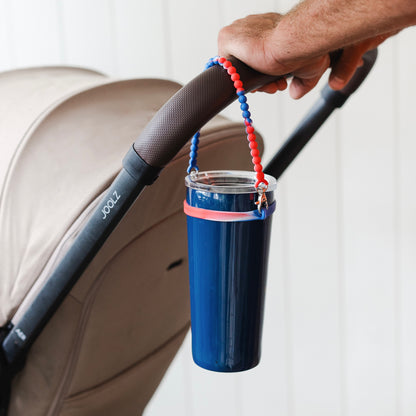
point(233, 9)
point(34, 33)
point(313, 276)
point(406, 170)
point(5, 36)
point(140, 40)
point(193, 36)
point(88, 33)
point(368, 147)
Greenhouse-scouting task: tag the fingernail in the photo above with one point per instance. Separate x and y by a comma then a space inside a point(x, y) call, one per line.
point(337, 82)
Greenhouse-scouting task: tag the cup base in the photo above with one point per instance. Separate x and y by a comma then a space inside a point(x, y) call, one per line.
point(222, 368)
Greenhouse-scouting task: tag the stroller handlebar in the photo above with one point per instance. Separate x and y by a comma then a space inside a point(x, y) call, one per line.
point(204, 97)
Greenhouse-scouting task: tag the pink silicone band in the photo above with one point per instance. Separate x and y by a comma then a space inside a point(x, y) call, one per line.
point(227, 216)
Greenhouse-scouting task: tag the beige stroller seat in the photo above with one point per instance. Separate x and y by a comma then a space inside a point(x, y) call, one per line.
point(63, 135)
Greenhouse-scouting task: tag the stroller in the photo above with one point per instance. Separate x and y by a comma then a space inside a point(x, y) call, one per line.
point(93, 293)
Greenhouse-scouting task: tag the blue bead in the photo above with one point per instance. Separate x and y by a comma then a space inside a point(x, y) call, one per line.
point(249, 120)
point(240, 93)
point(192, 155)
point(246, 114)
point(242, 98)
point(244, 106)
point(197, 134)
point(194, 148)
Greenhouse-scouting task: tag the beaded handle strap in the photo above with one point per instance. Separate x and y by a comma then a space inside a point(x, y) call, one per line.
point(261, 183)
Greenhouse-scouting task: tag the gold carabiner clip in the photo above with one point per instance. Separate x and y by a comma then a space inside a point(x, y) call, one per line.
point(262, 199)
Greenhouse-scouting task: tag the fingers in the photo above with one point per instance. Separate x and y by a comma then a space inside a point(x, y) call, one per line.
point(299, 87)
point(351, 59)
point(346, 66)
point(279, 85)
point(307, 77)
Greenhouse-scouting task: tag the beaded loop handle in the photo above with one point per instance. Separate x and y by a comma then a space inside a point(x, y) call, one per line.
point(261, 183)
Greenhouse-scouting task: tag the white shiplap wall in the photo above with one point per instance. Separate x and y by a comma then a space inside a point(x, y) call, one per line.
point(340, 325)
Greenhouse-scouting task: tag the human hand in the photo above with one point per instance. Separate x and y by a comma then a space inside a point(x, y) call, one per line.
point(257, 41)
point(252, 40)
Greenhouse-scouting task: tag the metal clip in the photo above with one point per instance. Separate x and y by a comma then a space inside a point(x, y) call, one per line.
point(194, 172)
point(262, 199)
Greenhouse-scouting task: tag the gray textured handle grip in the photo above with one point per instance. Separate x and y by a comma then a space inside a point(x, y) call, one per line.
point(189, 109)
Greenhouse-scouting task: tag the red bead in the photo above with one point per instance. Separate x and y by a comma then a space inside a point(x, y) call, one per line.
point(253, 145)
point(258, 167)
point(231, 70)
point(238, 84)
point(254, 152)
point(249, 129)
point(240, 89)
point(227, 64)
point(256, 160)
point(221, 60)
point(251, 137)
point(235, 76)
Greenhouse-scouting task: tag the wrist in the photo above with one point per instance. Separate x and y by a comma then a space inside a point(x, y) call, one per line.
point(293, 41)
point(288, 43)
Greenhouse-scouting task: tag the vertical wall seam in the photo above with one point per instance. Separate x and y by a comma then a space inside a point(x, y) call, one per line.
point(61, 32)
point(397, 221)
point(167, 38)
point(113, 36)
point(9, 32)
point(188, 394)
point(341, 267)
point(287, 306)
point(221, 12)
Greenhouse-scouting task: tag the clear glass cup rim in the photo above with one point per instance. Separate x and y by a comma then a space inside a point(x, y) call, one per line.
point(226, 181)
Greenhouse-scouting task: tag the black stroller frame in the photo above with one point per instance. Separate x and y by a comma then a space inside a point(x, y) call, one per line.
point(184, 114)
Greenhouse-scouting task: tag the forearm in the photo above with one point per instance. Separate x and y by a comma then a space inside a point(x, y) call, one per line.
point(315, 27)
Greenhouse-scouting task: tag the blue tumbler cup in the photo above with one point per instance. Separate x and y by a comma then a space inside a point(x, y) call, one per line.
point(228, 246)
